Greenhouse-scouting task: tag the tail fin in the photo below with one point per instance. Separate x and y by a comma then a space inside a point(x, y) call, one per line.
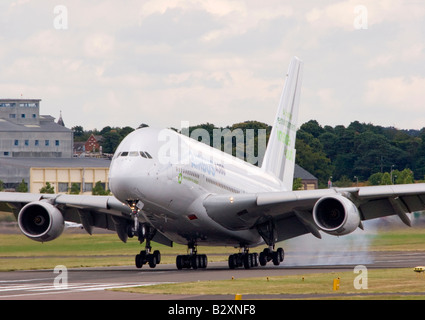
point(279, 158)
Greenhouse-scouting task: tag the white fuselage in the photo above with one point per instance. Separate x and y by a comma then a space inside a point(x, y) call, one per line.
point(172, 174)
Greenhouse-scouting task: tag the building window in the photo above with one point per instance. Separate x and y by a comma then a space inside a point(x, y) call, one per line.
point(23, 115)
point(88, 187)
point(6, 153)
point(36, 143)
point(63, 187)
point(12, 116)
point(16, 143)
point(27, 143)
point(46, 143)
point(34, 115)
point(57, 143)
point(10, 105)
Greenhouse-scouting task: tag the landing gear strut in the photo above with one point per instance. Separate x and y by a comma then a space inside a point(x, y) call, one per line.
point(192, 259)
point(144, 233)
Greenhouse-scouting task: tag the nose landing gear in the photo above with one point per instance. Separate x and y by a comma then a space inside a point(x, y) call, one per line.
point(146, 257)
point(144, 233)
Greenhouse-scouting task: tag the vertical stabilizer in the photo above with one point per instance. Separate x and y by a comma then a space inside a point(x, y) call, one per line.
point(279, 158)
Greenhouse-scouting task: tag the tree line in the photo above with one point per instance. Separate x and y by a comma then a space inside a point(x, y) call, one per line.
point(359, 153)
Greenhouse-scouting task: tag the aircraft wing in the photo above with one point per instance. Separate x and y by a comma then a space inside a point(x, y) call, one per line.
point(104, 212)
point(295, 213)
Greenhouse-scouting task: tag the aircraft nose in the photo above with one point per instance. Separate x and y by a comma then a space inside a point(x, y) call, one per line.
point(126, 176)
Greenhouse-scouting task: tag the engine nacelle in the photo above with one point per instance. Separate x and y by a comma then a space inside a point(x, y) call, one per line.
point(41, 221)
point(336, 215)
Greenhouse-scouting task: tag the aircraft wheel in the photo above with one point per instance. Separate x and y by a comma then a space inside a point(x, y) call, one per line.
point(203, 260)
point(233, 263)
point(138, 261)
point(152, 260)
point(275, 258)
point(157, 255)
point(263, 259)
point(179, 262)
point(281, 254)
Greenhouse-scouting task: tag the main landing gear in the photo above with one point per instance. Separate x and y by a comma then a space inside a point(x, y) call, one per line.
point(267, 231)
point(251, 260)
point(192, 260)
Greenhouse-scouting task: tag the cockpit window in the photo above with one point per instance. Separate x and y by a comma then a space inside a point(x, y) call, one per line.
point(145, 155)
point(134, 154)
point(124, 154)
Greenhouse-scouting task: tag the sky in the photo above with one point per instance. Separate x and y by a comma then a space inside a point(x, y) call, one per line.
point(123, 63)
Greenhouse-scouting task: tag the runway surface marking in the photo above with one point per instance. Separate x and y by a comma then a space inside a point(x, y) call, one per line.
point(29, 289)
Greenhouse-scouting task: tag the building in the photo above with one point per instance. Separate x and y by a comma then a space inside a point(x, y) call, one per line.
point(309, 181)
point(26, 133)
point(89, 148)
point(61, 173)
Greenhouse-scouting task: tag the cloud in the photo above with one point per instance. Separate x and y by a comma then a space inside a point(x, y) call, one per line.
point(163, 61)
point(400, 97)
point(400, 92)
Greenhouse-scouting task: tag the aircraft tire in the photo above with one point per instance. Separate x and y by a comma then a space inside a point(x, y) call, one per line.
point(157, 255)
point(263, 259)
point(138, 261)
point(152, 260)
point(233, 264)
point(179, 262)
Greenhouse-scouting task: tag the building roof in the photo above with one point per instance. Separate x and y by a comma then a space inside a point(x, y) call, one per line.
point(303, 174)
point(60, 120)
point(46, 125)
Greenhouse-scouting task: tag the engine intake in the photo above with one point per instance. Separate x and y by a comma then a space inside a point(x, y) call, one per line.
point(336, 215)
point(41, 221)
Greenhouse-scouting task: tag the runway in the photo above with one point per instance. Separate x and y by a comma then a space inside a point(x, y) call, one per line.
point(91, 283)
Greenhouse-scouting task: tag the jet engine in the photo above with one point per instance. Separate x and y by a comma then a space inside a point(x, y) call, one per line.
point(41, 221)
point(336, 215)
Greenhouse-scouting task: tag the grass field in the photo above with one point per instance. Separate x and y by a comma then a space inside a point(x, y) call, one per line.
point(399, 283)
point(17, 252)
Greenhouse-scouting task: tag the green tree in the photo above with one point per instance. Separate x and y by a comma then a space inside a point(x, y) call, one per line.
point(403, 177)
point(111, 140)
point(48, 188)
point(298, 184)
point(314, 161)
point(343, 182)
point(375, 179)
point(386, 179)
point(75, 188)
point(99, 190)
point(22, 187)
point(1, 185)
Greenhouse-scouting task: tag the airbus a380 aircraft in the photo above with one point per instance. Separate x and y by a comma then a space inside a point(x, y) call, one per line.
point(170, 188)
